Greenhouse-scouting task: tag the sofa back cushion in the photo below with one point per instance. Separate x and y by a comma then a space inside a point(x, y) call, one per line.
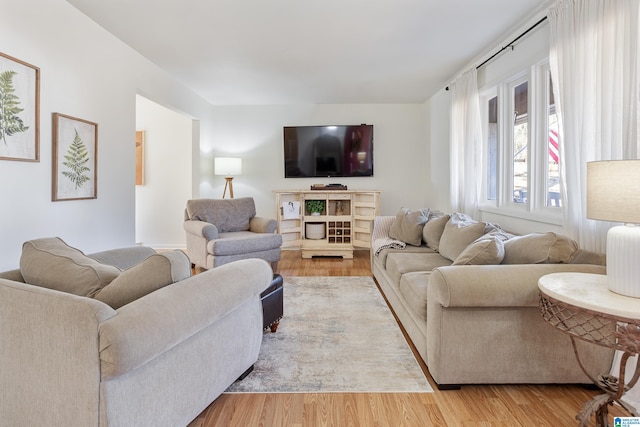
point(226, 214)
point(155, 272)
point(539, 248)
point(459, 232)
point(51, 263)
point(486, 250)
point(408, 224)
point(433, 229)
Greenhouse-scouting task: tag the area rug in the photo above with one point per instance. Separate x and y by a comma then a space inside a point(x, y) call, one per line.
point(337, 335)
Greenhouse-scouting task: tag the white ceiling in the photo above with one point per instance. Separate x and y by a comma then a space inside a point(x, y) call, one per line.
point(246, 52)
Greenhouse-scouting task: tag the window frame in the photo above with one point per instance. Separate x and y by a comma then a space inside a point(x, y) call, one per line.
point(535, 208)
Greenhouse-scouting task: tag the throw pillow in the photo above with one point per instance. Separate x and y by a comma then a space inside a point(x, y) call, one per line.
point(539, 248)
point(407, 227)
point(488, 249)
point(155, 272)
point(459, 232)
point(51, 263)
point(432, 231)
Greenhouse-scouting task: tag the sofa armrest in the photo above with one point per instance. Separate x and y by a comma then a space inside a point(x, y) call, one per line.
point(49, 355)
point(15, 275)
point(151, 325)
point(262, 225)
point(513, 285)
point(201, 229)
point(381, 226)
point(123, 258)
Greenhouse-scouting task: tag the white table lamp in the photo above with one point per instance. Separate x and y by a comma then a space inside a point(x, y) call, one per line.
point(228, 166)
point(613, 194)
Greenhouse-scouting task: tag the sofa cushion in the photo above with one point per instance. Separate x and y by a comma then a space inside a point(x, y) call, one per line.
point(51, 263)
point(432, 231)
point(408, 224)
point(539, 248)
point(413, 287)
point(488, 249)
point(401, 263)
point(243, 242)
point(155, 272)
point(459, 232)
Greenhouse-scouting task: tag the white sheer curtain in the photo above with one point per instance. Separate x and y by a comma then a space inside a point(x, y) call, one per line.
point(594, 67)
point(466, 144)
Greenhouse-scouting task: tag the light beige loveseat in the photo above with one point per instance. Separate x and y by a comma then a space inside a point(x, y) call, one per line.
point(480, 324)
point(160, 360)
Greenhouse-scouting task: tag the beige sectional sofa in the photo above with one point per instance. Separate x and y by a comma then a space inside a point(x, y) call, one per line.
point(124, 359)
point(466, 293)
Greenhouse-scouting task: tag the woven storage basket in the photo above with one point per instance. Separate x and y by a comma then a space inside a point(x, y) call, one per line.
point(314, 231)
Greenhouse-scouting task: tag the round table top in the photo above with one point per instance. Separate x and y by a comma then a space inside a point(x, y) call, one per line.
point(589, 291)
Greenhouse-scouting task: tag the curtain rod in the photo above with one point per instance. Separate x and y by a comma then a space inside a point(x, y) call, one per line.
point(510, 44)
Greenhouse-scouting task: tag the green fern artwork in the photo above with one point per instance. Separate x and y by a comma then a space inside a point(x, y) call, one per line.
point(76, 160)
point(10, 122)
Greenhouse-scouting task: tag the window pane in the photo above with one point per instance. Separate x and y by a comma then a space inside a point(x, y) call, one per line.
point(492, 143)
point(520, 141)
point(553, 174)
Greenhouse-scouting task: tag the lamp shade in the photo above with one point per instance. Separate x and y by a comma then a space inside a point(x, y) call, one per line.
point(613, 194)
point(228, 166)
point(613, 190)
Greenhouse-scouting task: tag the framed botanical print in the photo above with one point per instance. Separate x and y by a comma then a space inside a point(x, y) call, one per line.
point(19, 110)
point(75, 158)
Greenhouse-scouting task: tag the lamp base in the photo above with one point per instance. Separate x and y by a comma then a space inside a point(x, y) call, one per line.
point(228, 184)
point(623, 260)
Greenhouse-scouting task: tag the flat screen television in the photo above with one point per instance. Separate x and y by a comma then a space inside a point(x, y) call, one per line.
point(328, 151)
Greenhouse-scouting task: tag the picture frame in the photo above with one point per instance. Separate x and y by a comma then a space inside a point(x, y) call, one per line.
point(139, 157)
point(75, 158)
point(19, 110)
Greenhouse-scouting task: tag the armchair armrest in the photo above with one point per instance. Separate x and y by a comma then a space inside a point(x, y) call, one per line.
point(201, 229)
point(514, 285)
point(262, 225)
point(149, 326)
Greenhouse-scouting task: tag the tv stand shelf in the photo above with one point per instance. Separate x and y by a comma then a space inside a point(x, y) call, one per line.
point(344, 223)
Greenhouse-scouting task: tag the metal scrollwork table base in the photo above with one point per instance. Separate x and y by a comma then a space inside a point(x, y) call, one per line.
point(581, 305)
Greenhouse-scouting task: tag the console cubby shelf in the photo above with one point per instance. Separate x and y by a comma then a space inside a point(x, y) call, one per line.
point(345, 223)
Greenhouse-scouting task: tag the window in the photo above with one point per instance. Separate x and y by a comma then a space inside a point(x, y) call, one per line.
point(522, 146)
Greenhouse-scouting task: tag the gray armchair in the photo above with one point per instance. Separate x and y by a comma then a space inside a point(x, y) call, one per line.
point(220, 231)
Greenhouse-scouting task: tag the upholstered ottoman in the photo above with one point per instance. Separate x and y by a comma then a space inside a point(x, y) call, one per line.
point(272, 304)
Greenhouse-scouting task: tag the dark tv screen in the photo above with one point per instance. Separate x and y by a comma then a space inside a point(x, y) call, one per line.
point(328, 151)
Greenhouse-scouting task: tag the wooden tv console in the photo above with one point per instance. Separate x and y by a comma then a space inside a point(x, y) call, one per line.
point(345, 223)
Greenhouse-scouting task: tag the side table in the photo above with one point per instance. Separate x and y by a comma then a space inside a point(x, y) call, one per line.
point(581, 305)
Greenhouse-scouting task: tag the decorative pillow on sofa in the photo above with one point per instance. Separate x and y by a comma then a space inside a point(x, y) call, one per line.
point(432, 230)
point(488, 249)
point(407, 227)
point(459, 232)
point(155, 272)
point(51, 263)
point(539, 248)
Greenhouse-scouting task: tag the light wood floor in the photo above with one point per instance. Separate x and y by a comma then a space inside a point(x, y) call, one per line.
point(490, 405)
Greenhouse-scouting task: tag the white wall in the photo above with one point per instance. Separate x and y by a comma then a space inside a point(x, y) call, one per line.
point(160, 202)
point(254, 133)
point(86, 73)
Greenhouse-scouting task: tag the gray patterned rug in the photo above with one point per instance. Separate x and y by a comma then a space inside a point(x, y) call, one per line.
point(337, 335)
